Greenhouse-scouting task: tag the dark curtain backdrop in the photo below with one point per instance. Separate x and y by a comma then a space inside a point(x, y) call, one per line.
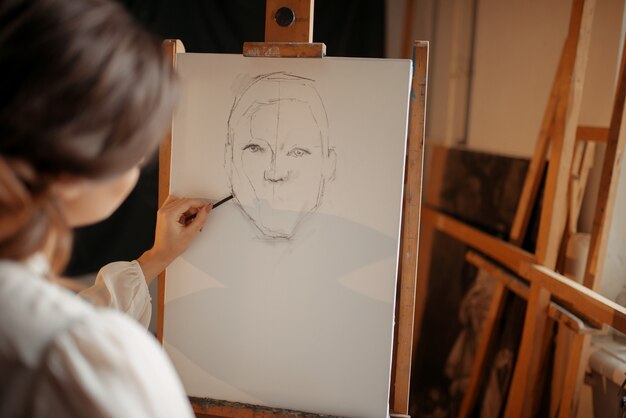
point(351, 28)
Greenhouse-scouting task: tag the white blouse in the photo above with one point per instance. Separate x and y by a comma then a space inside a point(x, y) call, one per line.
point(63, 357)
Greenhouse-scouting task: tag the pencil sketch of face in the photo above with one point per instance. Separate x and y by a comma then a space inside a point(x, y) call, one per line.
point(278, 154)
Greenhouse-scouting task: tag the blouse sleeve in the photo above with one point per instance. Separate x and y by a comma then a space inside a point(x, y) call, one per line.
point(107, 366)
point(122, 286)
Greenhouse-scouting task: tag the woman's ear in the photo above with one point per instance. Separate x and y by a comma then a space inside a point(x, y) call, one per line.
point(67, 188)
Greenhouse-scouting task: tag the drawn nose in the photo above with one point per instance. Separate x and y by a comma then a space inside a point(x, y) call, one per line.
point(274, 174)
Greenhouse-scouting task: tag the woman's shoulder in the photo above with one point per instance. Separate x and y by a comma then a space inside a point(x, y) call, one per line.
point(114, 368)
point(109, 362)
point(32, 311)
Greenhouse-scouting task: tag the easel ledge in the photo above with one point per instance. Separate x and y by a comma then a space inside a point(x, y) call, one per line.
point(295, 41)
point(207, 408)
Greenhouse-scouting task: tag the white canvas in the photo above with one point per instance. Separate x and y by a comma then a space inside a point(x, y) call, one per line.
point(286, 299)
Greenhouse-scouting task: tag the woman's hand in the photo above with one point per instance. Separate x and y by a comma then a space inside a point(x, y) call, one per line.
point(178, 222)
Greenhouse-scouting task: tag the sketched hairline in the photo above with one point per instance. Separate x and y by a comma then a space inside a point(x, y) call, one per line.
point(270, 76)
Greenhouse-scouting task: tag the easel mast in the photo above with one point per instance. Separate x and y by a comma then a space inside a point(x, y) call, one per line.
point(288, 32)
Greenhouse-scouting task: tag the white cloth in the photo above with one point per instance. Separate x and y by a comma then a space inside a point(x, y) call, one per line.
point(63, 357)
point(122, 286)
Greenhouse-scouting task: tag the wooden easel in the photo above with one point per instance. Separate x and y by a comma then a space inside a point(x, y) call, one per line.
point(576, 309)
point(289, 34)
point(571, 155)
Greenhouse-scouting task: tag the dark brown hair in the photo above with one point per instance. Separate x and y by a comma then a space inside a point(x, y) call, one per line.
point(83, 91)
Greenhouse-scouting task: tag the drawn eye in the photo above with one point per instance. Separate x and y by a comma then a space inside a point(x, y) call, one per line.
point(253, 148)
point(298, 152)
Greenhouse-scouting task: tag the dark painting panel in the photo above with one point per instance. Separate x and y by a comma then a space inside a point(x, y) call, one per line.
point(478, 188)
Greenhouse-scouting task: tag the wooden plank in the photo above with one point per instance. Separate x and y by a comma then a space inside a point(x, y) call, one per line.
point(575, 371)
point(171, 48)
point(576, 297)
point(485, 340)
point(611, 168)
point(578, 185)
point(570, 321)
point(579, 150)
point(204, 407)
point(301, 30)
point(509, 255)
point(592, 133)
point(511, 282)
point(581, 165)
point(284, 49)
point(542, 380)
point(553, 220)
point(560, 356)
point(410, 229)
point(521, 394)
point(208, 408)
point(515, 285)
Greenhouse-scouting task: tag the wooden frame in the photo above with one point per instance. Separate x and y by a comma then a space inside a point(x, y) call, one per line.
point(608, 183)
point(171, 48)
point(550, 295)
point(407, 282)
point(584, 313)
point(584, 302)
point(563, 317)
point(522, 396)
point(281, 44)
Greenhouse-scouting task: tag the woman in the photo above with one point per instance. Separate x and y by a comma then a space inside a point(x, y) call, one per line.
point(85, 96)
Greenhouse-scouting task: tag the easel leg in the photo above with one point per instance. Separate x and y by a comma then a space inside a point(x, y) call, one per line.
point(561, 355)
point(477, 373)
point(611, 168)
point(553, 220)
point(171, 48)
point(575, 372)
point(410, 234)
point(521, 393)
point(521, 400)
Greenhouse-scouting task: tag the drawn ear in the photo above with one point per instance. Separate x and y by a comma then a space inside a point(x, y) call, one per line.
point(228, 154)
point(331, 165)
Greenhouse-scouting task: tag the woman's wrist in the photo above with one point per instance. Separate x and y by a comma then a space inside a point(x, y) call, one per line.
point(152, 263)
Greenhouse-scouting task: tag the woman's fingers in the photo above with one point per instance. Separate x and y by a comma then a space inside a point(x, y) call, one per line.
point(178, 223)
point(193, 215)
point(201, 216)
point(181, 209)
point(182, 205)
point(188, 216)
